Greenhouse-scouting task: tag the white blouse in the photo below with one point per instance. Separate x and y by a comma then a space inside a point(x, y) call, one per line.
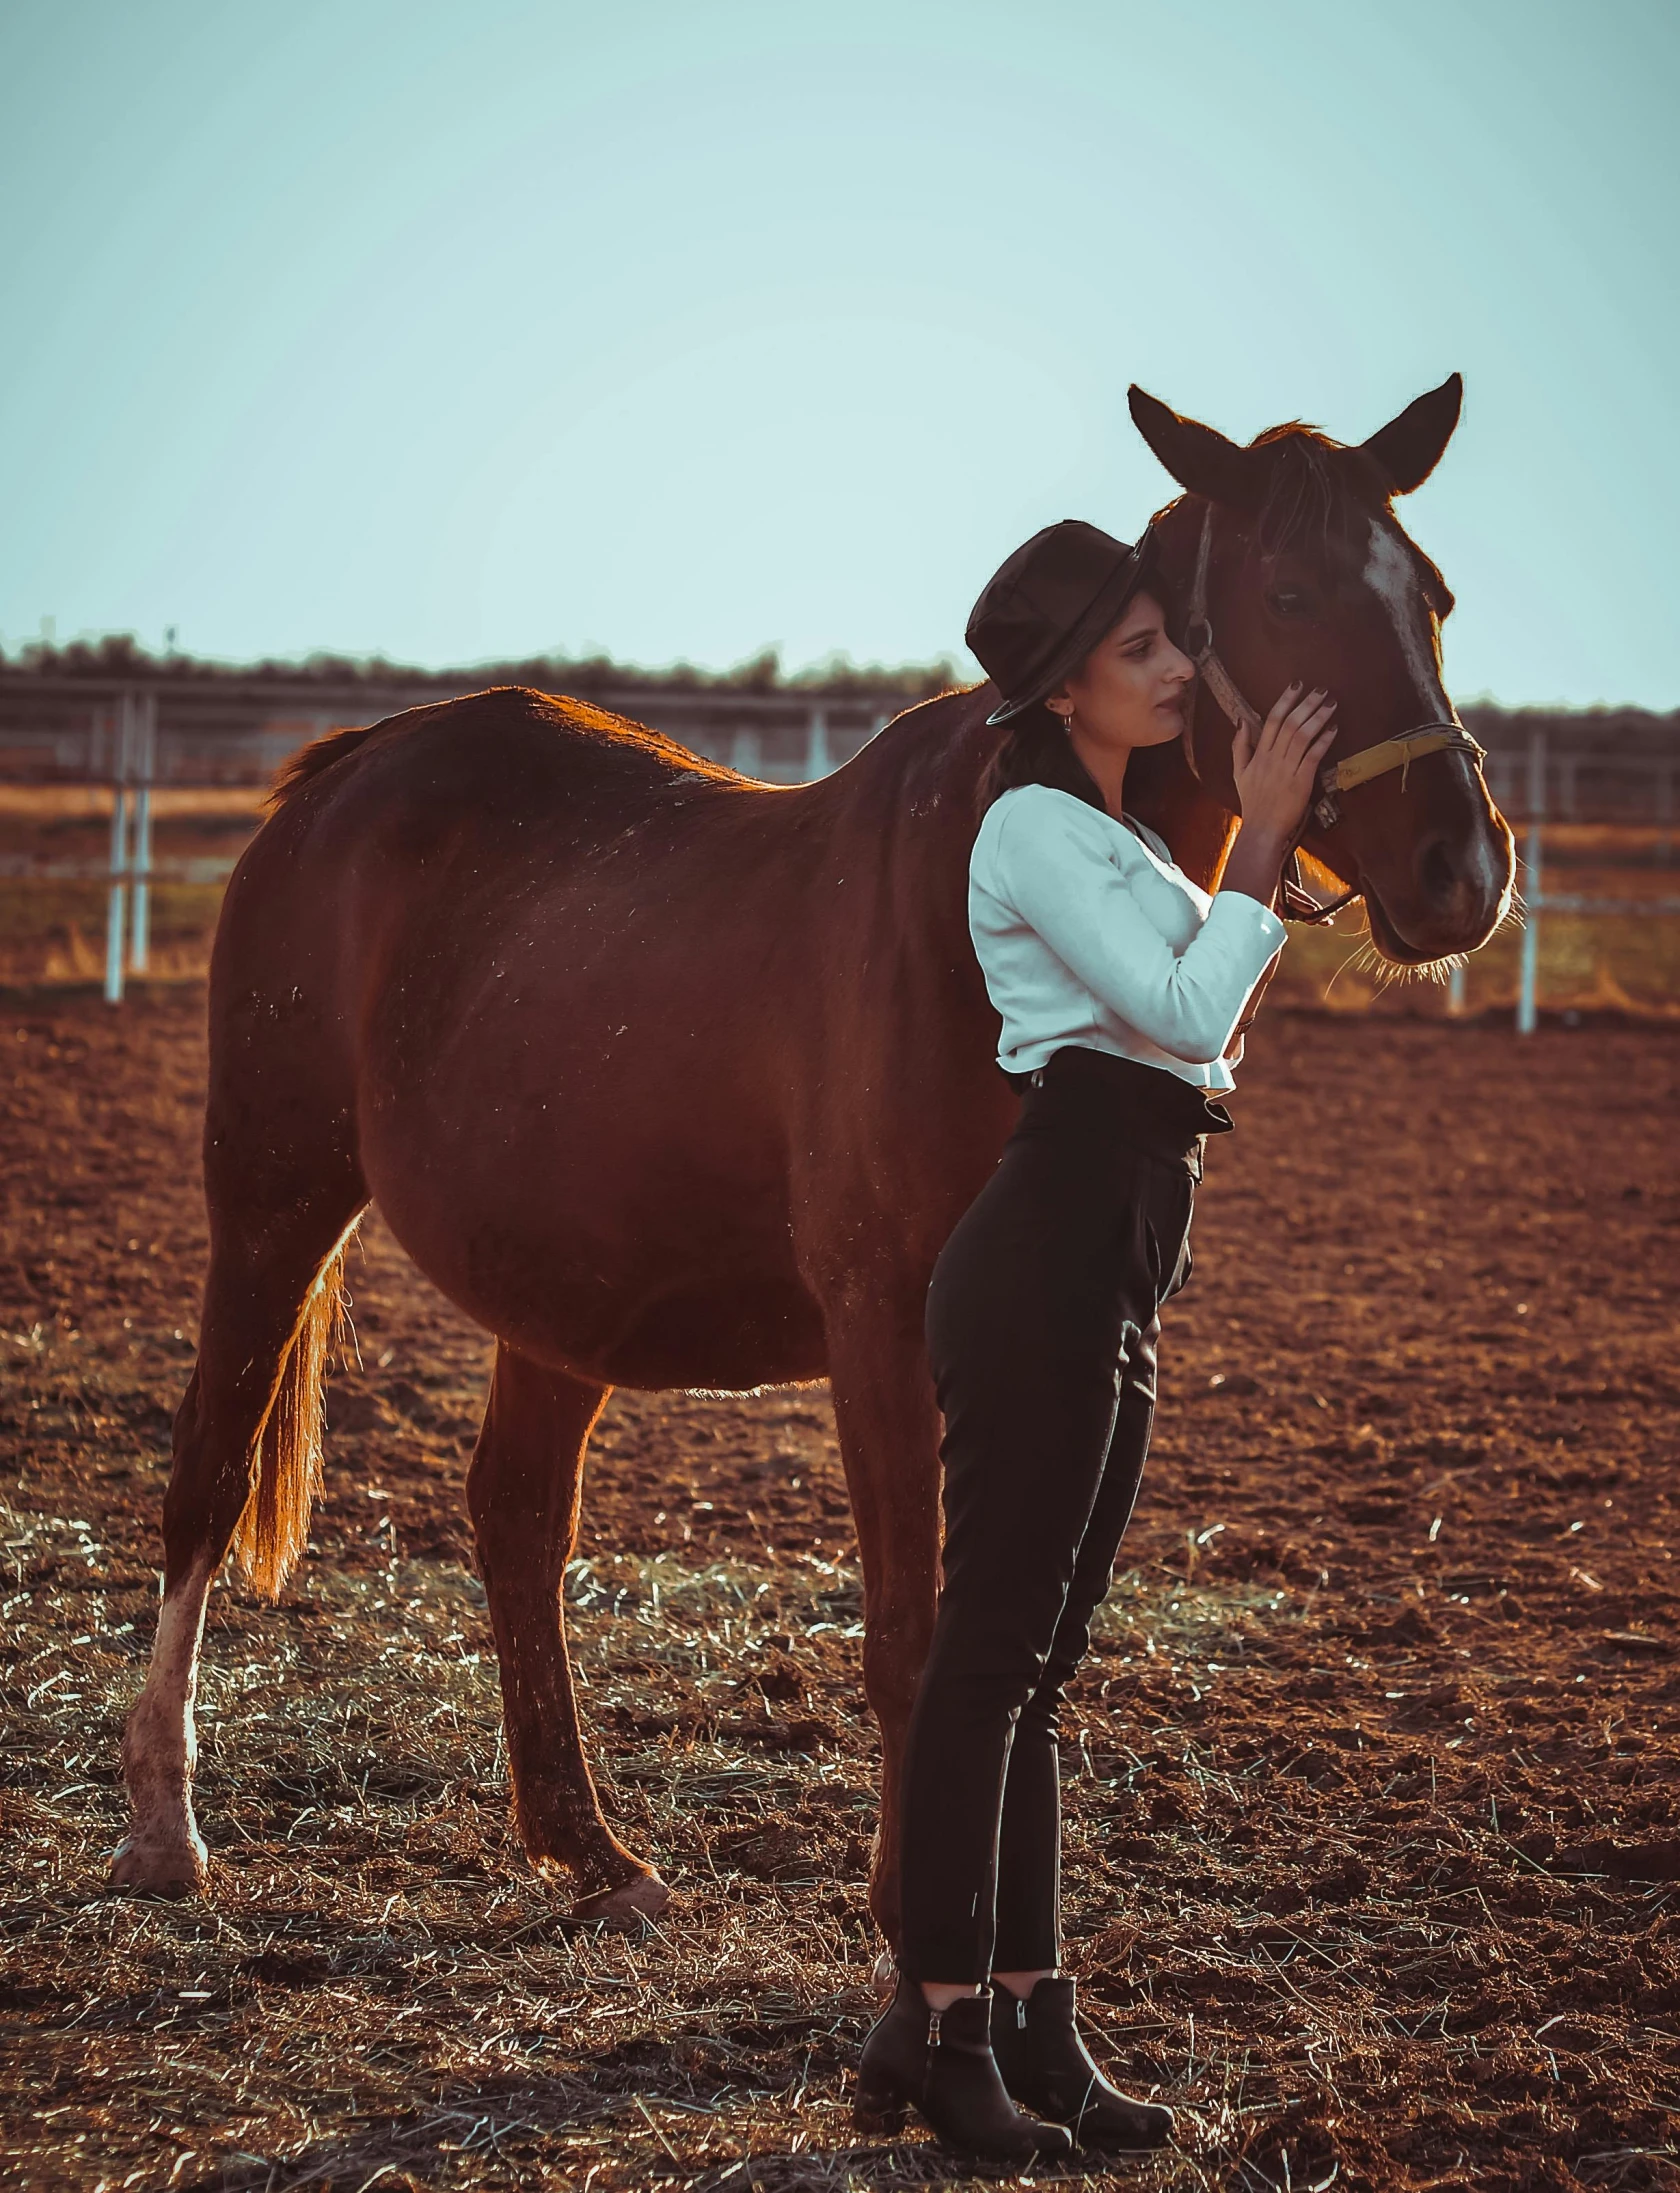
point(1088, 933)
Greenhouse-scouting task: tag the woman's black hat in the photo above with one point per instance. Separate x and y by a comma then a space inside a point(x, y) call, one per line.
point(1047, 606)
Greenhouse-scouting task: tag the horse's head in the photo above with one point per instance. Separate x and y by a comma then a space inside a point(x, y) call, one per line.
point(1308, 574)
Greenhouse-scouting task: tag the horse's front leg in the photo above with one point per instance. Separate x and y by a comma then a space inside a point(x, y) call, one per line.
point(523, 1491)
point(888, 1423)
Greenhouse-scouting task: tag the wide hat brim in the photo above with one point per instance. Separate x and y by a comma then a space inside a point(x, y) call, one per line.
point(1105, 609)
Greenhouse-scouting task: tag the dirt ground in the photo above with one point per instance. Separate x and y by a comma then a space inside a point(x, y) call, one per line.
point(1373, 1825)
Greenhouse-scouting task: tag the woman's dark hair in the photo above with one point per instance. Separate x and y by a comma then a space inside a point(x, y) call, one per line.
point(1037, 750)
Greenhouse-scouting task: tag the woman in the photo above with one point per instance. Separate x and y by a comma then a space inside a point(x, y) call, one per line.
point(1121, 988)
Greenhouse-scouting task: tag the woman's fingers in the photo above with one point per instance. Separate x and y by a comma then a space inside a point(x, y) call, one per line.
point(1276, 769)
point(1320, 729)
point(1315, 739)
point(1309, 712)
point(1281, 708)
point(1306, 723)
point(1295, 717)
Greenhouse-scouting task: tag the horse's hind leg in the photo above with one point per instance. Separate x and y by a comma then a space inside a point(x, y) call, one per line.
point(247, 1459)
point(523, 1491)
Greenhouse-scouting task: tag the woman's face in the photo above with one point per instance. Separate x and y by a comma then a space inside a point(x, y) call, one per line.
point(1132, 687)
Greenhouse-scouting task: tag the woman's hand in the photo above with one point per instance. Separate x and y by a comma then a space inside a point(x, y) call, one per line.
point(1275, 775)
point(1276, 772)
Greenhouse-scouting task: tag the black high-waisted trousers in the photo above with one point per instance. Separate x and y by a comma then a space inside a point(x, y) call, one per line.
point(1042, 1319)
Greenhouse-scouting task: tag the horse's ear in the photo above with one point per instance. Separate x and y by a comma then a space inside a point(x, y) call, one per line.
point(1410, 447)
point(1201, 460)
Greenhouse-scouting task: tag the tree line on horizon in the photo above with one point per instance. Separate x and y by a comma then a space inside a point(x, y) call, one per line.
point(120, 655)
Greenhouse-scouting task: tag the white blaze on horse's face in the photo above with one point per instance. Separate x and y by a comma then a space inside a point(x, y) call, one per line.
point(1392, 576)
point(1391, 572)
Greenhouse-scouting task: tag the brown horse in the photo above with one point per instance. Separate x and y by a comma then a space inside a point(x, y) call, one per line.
point(671, 1079)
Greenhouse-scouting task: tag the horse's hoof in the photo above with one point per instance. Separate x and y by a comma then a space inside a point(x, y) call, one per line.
point(884, 1977)
point(643, 1898)
point(141, 1868)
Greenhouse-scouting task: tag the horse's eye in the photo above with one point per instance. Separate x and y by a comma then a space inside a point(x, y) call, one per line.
point(1287, 601)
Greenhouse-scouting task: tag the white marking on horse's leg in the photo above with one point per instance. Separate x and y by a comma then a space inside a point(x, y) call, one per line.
point(643, 1898)
point(1392, 576)
point(163, 1850)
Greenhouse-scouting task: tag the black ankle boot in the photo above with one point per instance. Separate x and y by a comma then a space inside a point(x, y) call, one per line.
point(940, 2064)
point(1044, 2064)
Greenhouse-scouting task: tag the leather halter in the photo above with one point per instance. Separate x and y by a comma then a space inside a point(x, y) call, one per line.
point(1335, 777)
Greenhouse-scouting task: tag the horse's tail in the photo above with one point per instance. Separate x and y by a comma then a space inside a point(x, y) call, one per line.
point(274, 1528)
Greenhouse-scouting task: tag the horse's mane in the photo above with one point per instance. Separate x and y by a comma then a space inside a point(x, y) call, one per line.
point(309, 761)
point(1317, 490)
point(1309, 497)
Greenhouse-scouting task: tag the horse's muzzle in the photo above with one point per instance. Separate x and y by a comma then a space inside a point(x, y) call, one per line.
point(1455, 896)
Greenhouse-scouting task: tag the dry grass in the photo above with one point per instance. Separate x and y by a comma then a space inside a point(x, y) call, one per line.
point(380, 1992)
point(379, 1989)
point(1623, 963)
point(53, 931)
point(45, 805)
point(1620, 963)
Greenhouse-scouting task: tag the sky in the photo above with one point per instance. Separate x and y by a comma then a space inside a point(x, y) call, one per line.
point(455, 333)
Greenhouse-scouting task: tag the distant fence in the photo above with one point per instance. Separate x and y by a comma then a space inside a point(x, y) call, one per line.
point(209, 732)
point(1552, 781)
point(212, 731)
point(1548, 788)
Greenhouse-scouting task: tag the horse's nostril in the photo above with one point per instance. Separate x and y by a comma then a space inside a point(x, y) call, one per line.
point(1436, 872)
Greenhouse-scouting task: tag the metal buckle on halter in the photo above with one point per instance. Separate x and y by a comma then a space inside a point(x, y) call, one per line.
point(1295, 901)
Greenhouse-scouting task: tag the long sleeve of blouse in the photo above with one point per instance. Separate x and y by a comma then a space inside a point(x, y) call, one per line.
point(1150, 947)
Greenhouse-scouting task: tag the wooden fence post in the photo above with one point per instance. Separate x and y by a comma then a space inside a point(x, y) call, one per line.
point(818, 758)
point(145, 769)
point(1528, 993)
point(116, 908)
point(747, 754)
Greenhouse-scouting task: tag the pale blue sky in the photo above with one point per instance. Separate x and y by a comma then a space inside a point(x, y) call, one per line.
point(678, 330)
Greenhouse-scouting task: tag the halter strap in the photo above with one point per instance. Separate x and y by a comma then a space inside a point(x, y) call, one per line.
point(1399, 753)
point(1198, 645)
point(1335, 777)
